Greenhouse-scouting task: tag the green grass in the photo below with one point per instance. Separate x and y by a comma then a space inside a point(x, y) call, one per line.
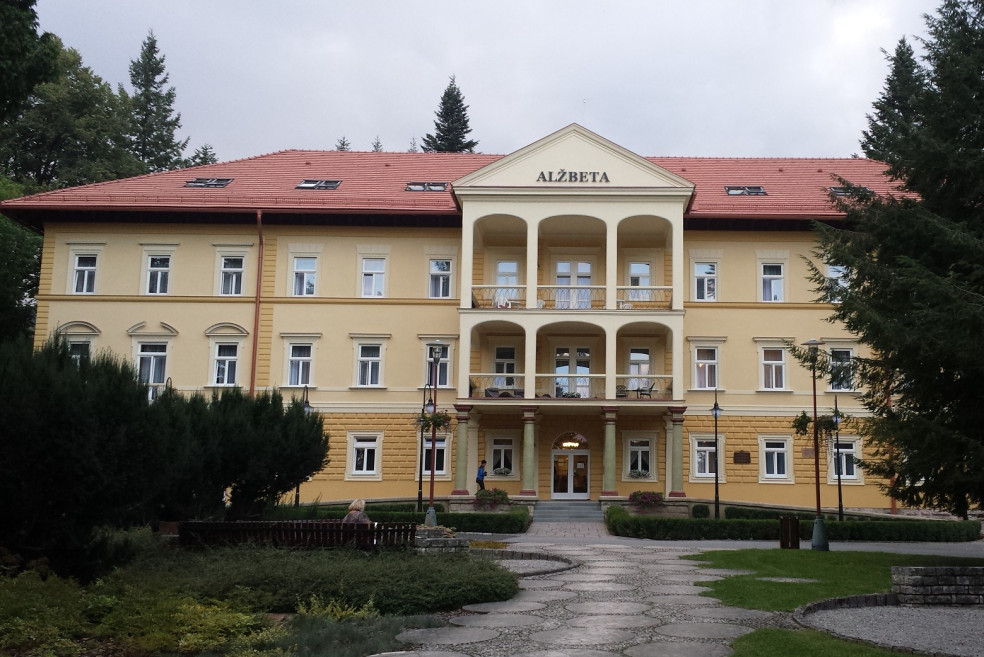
point(782, 643)
point(837, 573)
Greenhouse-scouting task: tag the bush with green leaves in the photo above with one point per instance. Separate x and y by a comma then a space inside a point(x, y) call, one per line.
point(700, 511)
point(646, 499)
point(490, 498)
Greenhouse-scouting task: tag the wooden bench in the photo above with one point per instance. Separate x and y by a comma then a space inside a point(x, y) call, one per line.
point(296, 533)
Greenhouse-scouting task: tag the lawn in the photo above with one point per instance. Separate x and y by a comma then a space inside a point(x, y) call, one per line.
point(837, 574)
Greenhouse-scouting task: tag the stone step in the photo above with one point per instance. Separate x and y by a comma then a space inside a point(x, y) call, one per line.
point(568, 511)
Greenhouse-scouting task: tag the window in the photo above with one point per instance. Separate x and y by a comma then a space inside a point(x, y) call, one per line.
point(373, 277)
point(505, 363)
point(231, 275)
point(80, 352)
point(502, 456)
point(640, 277)
point(85, 273)
point(706, 359)
point(226, 358)
point(845, 465)
point(365, 454)
point(571, 362)
point(705, 463)
point(440, 454)
point(639, 369)
point(705, 281)
point(305, 273)
point(417, 186)
point(152, 366)
point(640, 458)
point(775, 456)
point(841, 370)
point(773, 369)
point(318, 184)
point(443, 366)
point(158, 268)
point(572, 280)
point(836, 282)
point(370, 364)
point(440, 279)
point(208, 182)
point(299, 364)
point(772, 281)
point(744, 190)
point(507, 282)
point(847, 191)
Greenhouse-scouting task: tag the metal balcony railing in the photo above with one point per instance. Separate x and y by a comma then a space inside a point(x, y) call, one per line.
point(497, 296)
point(566, 297)
point(644, 297)
point(485, 385)
point(644, 386)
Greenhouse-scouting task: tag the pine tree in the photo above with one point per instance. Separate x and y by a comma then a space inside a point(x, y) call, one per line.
point(451, 127)
point(204, 154)
point(915, 272)
point(377, 145)
point(154, 119)
point(413, 148)
point(342, 144)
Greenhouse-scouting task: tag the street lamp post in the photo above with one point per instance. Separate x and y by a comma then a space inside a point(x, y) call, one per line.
point(307, 411)
point(716, 412)
point(436, 350)
point(819, 541)
point(420, 460)
point(840, 466)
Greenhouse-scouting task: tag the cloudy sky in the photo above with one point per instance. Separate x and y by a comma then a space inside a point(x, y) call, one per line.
point(659, 77)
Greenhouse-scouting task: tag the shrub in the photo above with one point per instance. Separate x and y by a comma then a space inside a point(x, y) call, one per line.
point(700, 511)
point(491, 498)
point(646, 499)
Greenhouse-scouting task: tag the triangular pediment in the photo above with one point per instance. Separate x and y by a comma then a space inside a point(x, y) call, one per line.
point(572, 159)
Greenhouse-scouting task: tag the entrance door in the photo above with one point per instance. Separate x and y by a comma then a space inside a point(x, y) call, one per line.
point(570, 474)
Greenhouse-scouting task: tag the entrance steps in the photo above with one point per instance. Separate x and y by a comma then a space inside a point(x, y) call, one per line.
point(568, 511)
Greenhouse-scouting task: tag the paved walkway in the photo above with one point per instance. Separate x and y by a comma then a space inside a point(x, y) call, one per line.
point(627, 597)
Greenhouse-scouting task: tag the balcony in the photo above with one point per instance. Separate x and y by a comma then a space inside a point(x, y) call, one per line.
point(569, 387)
point(565, 297)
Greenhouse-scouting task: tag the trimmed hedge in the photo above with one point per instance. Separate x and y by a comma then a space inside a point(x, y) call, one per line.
point(620, 523)
point(514, 522)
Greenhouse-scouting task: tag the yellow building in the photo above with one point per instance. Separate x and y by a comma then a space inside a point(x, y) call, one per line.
point(591, 305)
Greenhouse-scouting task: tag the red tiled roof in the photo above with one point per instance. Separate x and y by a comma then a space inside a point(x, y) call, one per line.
point(376, 182)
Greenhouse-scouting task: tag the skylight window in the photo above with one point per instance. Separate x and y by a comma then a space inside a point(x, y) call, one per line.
point(427, 186)
point(208, 182)
point(745, 190)
point(319, 184)
point(846, 191)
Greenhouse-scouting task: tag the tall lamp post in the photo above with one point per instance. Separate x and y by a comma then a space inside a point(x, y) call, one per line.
point(716, 412)
point(819, 541)
point(307, 411)
point(436, 350)
point(420, 460)
point(840, 466)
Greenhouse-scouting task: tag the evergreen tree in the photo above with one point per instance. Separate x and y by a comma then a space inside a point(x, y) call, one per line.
point(203, 155)
point(154, 119)
point(914, 269)
point(26, 58)
point(377, 145)
point(890, 128)
point(342, 144)
point(413, 148)
point(70, 131)
point(451, 127)
point(20, 264)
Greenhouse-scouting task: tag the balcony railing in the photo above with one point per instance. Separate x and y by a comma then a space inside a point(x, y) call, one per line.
point(570, 386)
point(566, 297)
point(497, 296)
point(644, 297)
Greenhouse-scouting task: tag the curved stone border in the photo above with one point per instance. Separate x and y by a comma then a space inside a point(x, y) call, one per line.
point(509, 555)
point(850, 602)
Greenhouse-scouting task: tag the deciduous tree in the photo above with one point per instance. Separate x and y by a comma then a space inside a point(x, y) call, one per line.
point(26, 57)
point(20, 262)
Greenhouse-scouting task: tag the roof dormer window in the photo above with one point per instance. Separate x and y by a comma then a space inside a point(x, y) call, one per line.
point(417, 186)
point(846, 191)
point(319, 184)
point(745, 190)
point(208, 182)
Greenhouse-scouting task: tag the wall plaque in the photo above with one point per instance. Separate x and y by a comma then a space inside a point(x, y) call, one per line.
point(743, 457)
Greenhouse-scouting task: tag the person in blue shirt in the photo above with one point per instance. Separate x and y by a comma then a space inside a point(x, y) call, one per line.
point(480, 479)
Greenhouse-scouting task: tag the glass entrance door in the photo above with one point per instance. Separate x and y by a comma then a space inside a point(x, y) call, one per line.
point(570, 475)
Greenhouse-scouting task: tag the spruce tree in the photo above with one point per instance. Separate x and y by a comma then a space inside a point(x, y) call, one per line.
point(377, 145)
point(451, 127)
point(342, 144)
point(915, 272)
point(154, 120)
point(204, 154)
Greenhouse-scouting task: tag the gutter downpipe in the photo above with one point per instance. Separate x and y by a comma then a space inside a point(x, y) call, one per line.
point(256, 304)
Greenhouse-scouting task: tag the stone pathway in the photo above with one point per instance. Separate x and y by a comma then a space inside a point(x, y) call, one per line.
point(630, 600)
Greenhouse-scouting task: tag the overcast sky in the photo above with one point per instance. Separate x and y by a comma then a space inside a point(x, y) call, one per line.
point(659, 77)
